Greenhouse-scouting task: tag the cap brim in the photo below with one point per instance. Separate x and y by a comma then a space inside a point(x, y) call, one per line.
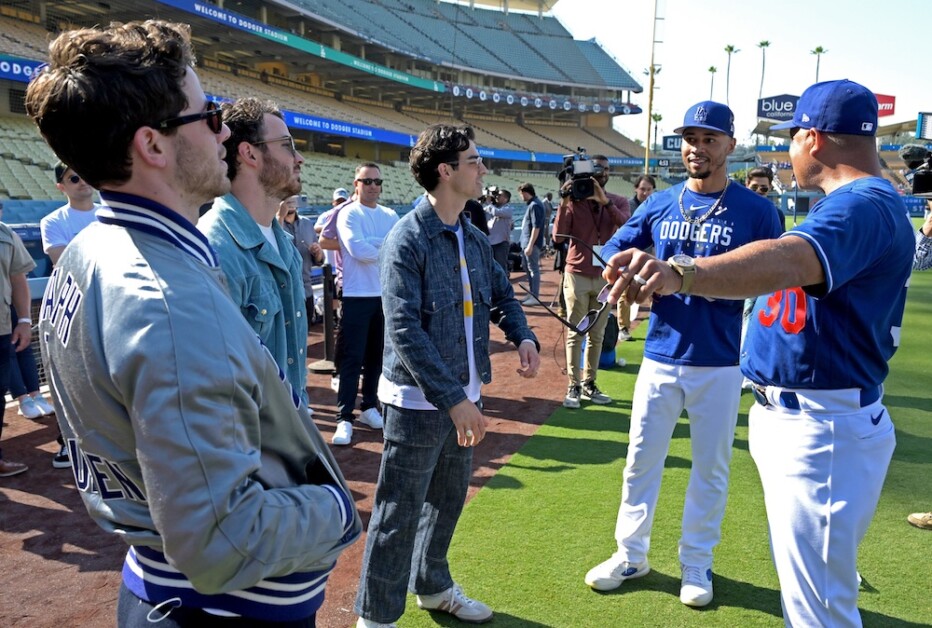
point(708, 127)
point(789, 124)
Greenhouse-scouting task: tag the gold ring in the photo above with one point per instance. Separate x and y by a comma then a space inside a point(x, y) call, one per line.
point(469, 434)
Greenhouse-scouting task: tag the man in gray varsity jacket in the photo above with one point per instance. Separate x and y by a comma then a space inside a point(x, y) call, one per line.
point(185, 438)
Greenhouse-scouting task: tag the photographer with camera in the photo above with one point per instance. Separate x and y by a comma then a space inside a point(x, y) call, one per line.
point(499, 214)
point(917, 158)
point(589, 215)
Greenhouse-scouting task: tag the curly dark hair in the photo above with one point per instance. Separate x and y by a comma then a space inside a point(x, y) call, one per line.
point(437, 144)
point(245, 117)
point(101, 85)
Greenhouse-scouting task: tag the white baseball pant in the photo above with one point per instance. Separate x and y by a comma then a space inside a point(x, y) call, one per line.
point(710, 396)
point(822, 468)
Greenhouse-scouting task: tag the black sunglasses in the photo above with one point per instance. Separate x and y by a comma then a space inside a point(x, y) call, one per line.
point(212, 113)
point(588, 321)
point(760, 188)
point(74, 178)
point(370, 181)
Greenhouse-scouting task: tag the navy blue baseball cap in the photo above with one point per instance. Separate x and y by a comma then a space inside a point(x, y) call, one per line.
point(709, 115)
point(843, 107)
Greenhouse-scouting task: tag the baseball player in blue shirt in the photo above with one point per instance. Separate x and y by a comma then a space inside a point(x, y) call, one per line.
point(690, 356)
point(834, 290)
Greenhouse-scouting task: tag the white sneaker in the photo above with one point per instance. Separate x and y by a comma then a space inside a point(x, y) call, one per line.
point(624, 335)
point(365, 623)
point(372, 418)
point(29, 409)
point(455, 602)
point(44, 405)
point(344, 433)
point(696, 589)
point(609, 575)
point(335, 383)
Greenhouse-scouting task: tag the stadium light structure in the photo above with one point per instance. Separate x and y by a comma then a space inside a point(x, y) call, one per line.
point(653, 70)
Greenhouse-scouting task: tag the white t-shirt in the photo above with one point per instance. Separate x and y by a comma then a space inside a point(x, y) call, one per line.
point(362, 230)
point(62, 225)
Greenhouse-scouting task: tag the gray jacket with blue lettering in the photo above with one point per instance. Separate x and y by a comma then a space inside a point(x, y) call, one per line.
point(183, 435)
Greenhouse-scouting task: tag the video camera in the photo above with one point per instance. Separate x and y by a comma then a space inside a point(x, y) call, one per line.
point(579, 168)
point(919, 160)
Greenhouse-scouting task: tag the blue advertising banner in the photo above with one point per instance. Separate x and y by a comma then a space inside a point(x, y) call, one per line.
point(777, 107)
point(16, 69)
point(346, 129)
point(672, 142)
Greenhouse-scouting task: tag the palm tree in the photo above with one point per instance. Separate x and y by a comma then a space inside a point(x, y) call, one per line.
point(818, 52)
point(712, 71)
point(763, 65)
point(656, 117)
point(730, 50)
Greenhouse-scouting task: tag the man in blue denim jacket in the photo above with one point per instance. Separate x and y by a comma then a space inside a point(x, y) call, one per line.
point(261, 265)
point(440, 289)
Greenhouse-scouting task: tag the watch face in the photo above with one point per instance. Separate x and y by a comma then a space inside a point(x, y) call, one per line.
point(681, 259)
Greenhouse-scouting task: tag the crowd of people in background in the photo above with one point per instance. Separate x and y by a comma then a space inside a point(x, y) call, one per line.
point(411, 339)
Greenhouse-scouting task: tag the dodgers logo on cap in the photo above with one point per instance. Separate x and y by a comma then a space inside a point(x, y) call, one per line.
point(710, 115)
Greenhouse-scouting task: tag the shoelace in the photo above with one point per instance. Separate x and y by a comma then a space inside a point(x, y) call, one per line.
point(693, 575)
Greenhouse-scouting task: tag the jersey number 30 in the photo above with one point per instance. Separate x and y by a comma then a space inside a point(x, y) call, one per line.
point(787, 305)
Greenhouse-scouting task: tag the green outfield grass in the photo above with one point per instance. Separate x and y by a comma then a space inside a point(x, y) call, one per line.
point(526, 540)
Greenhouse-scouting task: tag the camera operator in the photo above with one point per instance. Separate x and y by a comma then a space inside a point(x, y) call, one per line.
point(499, 215)
point(591, 220)
point(915, 156)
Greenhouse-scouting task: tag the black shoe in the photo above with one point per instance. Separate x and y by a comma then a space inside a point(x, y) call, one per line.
point(591, 392)
point(61, 460)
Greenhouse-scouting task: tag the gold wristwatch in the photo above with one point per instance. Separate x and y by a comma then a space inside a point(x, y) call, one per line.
point(685, 267)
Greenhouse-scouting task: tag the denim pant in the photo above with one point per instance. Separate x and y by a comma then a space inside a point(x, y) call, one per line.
point(133, 612)
point(360, 349)
point(532, 265)
point(418, 500)
point(500, 253)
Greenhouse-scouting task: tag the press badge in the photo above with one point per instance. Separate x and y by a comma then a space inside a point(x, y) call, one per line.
point(597, 252)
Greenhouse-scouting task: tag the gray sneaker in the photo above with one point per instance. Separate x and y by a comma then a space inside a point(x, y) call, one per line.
point(455, 602)
point(572, 397)
point(591, 392)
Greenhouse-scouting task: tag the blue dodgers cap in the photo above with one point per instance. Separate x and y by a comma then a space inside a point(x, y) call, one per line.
point(843, 107)
point(709, 115)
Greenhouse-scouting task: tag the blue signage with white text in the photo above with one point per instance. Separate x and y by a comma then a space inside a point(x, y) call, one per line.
point(777, 107)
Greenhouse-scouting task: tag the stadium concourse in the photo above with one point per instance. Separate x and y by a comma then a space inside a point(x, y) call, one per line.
point(60, 569)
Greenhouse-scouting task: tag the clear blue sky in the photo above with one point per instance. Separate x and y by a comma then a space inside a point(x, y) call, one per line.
point(879, 43)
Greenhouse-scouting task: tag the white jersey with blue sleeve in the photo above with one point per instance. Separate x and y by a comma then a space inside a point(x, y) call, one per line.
point(864, 241)
point(684, 329)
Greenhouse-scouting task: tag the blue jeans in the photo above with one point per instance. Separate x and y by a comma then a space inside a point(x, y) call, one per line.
point(359, 345)
point(532, 266)
point(418, 500)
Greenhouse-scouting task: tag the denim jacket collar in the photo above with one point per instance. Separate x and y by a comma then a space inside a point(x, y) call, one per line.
point(433, 226)
point(246, 233)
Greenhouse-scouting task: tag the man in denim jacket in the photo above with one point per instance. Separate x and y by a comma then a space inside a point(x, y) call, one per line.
point(440, 289)
point(261, 265)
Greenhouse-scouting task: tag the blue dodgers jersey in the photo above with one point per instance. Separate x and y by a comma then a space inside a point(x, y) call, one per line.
point(839, 334)
point(691, 330)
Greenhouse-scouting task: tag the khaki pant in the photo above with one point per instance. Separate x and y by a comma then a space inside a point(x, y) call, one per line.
point(624, 314)
point(580, 293)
